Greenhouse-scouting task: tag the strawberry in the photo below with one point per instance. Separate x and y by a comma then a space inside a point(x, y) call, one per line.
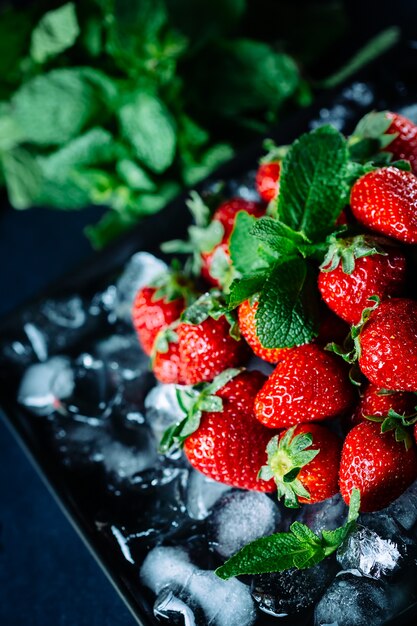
point(332, 328)
point(225, 214)
point(404, 146)
point(379, 402)
point(385, 200)
point(230, 447)
point(247, 326)
point(378, 465)
point(219, 432)
point(388, 345)
point(355, 269)
point(198, 352)
point(151, 313)
point(309, 384)
point(267, 177)
point(304, 462)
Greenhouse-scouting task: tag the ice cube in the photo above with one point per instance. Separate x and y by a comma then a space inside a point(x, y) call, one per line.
point(240, 517)
point(255, 363)
point(162, 408)
point(123, 460)
point(123, 355)
point(77, 442)
point(388, 528)
point(65, 313)
point(359, 93)
point(338, 115)
point(409, 111)
point(353, 601)
point(202, 494)
point(292, 591)
point(404, 509)
point(224, 603)
point(176, 606)
point(326, 515)
point(44, 385)
point(364, 551)
point(138, 272)
point(244, 187)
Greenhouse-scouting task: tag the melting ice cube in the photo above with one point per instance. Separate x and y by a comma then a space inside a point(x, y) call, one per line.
point(326, 515)
point(138, 272)
point(224, 603)
point(202, 494)
point(44, 385)
point(162, 409)
point(240, 517)
point(364, 551)
point(353, 601)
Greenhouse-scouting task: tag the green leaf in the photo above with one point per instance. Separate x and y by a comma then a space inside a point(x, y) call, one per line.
point(23, 178)
point(10, 133)
point(56, 31)
point(287, 314)
point(244, 246)
point(313, 188)
point(244, 288)
point(55, 107)
point(148, 125)
point(134, 176)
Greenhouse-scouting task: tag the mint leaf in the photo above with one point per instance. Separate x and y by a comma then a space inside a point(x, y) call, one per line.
point(300, 548)
point(56, 31)
point(242, 289)
point(147, 124)
point(313, 189)
point(22, 176)
point(244, 247)
point(55, 107)
point(134, 176)
point(287, 314)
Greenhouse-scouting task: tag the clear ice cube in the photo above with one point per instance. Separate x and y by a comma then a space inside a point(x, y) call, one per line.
point(224, 603)
point(365, 552)
point(140, 270)
point(122, 461)
point(45, 385)
point(202, 494)
point(326, 515)
point(404, 508)
point(353, 601)
point(292, 591)
point(240, 517)
point(175, 605)
point(123, 355)
point(162, 408)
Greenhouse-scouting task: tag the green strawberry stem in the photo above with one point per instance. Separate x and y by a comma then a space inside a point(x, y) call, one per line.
point(400, 424)
point(346, 251)
point(287, 455)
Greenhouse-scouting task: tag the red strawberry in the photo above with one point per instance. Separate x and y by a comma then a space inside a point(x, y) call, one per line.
point(267, 178)
point(385, 200)
point(151, 314)
point(388, 345)
point(247, 325)
point(404, 146)
point(378, 465)
point(304, 462)
point(229, 447)
point(355, 269)
point(226, 215)
point(308, 385)
point(202, 351)
point(241, 391)
point(376, 401)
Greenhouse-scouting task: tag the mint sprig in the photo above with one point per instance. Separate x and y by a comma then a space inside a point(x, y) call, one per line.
point(192, 402)
point(300, 547)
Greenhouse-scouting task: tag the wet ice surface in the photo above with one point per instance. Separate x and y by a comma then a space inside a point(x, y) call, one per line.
point(326, 515)
point(240, 517)
point(353, 601)
point(293, 591)
point(202, 494)
point(44, 385)
point(365, 552)
point(224, 603)
point(162, 408)
point(138, 272)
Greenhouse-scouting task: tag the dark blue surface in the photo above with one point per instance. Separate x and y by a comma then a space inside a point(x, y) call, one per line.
point(47, 576)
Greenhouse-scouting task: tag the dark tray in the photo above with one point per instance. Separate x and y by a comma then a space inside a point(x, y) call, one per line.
point(389, 83)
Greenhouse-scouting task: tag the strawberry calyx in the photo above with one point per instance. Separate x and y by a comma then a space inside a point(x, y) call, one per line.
point(163, 339)
point(398, 423)
point(287, 455)
point(173, 285)
point(370, 137)
point(211, 304)
point(345, 251)
point(350, 351)
point(275, 154)
point(192, 402)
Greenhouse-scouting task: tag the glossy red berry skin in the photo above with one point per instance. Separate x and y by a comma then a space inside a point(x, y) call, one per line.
point(373, 402)
point(230, 447)
point(166, 366)
point(388, 341)
point(404, 146)
point(247, 326)
point(380, 467)
point(375, 275)
point(267, 180)
point(242, 389)
point(320, 476)
point(309, 384)
point(150, 315)
point(226, 214)
point(385, 200)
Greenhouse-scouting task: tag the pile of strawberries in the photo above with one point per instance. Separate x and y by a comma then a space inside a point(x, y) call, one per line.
point(325, 419)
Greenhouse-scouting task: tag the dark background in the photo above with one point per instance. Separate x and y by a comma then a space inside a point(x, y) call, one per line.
point(47, 577)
